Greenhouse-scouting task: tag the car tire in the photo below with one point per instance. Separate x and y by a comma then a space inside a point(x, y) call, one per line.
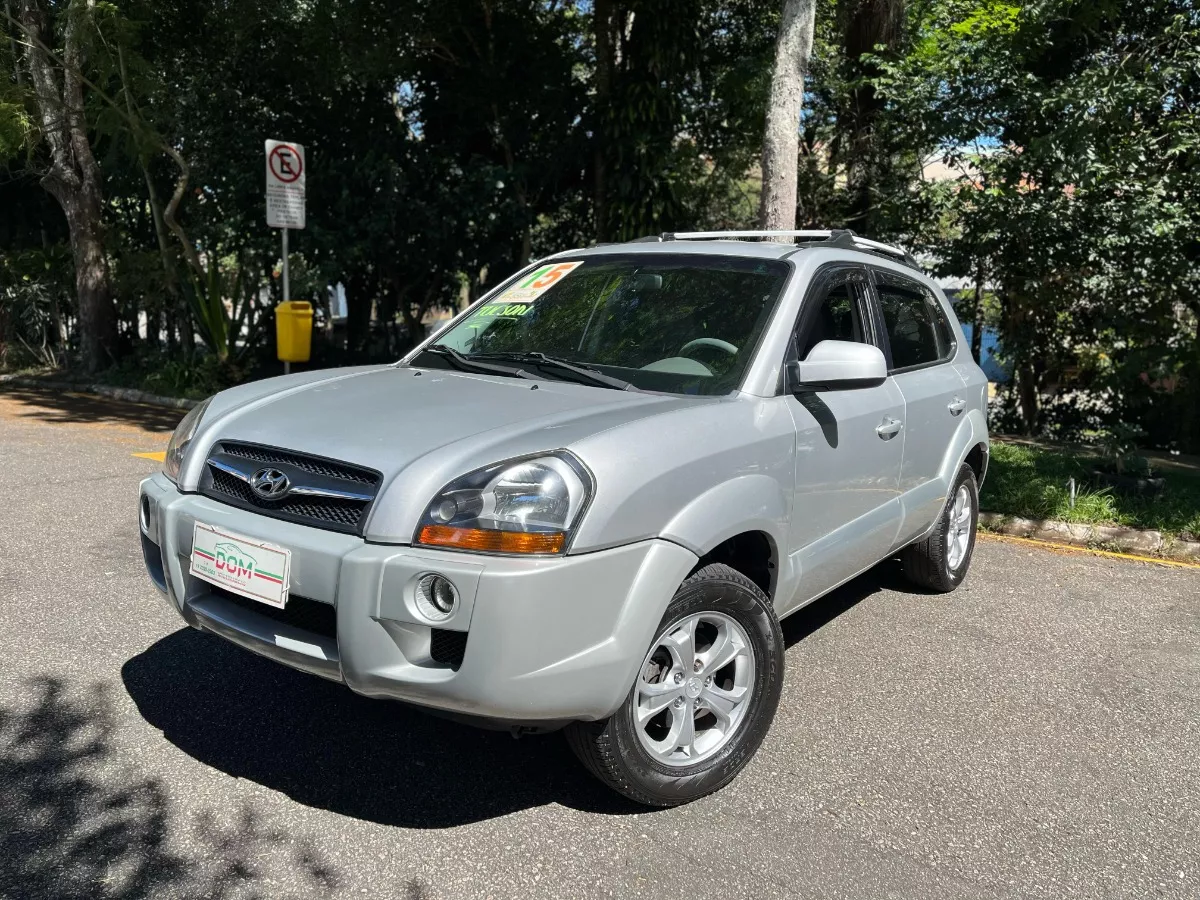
point(726, 613)
point(940, 561)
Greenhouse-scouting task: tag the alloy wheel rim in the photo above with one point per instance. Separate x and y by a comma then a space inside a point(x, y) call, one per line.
point(693, 689)
point(958, 535)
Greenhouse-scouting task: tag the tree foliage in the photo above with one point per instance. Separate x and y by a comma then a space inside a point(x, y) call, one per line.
point(1078, 125)
point(449, 143)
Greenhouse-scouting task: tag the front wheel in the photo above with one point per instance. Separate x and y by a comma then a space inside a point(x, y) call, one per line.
point(940, 561)
point(704, 698)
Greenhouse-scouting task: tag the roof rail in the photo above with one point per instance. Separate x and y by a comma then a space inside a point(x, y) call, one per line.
point(835, 237)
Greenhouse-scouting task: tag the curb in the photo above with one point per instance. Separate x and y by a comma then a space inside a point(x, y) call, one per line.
point(1126, 540)
point(130, 395)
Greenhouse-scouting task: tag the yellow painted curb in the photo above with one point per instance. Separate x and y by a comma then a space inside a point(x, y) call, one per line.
point(157, 455)
point(1073, 548)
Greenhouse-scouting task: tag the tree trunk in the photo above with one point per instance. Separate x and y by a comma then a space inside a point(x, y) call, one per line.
point(97, 315)
point(781, 142)
point(1027, 393)
point(360, 298)
point(867, 24)
point(74, 176)
point(602, 17)
point(173, 299)
point(977, 336)
point(1019, 344)
point(977, 326)
point(18, 75)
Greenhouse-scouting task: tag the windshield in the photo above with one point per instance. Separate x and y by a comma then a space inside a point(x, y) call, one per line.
point(678, 323)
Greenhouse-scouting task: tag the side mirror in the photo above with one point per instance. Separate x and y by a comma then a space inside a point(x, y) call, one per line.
point(837, 365)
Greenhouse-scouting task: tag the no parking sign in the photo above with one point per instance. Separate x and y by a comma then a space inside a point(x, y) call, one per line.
point(286, 178)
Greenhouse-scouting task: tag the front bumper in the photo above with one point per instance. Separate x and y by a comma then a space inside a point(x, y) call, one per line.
point(547, 639)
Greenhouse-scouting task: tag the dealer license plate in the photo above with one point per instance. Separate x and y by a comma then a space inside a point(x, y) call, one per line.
point(242, 565)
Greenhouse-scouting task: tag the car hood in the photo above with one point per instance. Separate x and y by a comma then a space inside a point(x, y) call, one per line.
point(420, 427)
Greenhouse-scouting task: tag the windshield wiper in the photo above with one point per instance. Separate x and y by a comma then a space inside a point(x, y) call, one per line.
point(467, 364)
point(590, 375)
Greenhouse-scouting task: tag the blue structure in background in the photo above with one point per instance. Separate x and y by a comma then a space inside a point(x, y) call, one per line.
point(987, 360)
point(991, 366)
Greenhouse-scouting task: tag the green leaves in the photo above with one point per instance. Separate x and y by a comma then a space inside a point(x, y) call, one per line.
point(1073, 206)
point(15, 130)
point(206, 301)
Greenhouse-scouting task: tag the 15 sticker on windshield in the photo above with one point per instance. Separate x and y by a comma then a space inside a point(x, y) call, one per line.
point(537, 282)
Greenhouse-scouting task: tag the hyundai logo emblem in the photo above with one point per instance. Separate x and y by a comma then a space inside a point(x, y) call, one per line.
point(270, 484)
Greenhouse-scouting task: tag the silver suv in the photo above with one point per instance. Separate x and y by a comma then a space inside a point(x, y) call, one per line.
point(591, 498)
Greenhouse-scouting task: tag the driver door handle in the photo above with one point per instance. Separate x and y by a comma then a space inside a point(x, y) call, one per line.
point(956, 406)
point(889, 428)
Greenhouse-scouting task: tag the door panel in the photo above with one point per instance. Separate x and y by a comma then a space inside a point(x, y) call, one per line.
point(930, 397)
point(846, 512)
point(920, 347)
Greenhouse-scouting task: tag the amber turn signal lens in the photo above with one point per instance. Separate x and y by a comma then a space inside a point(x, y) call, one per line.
point(489, 541)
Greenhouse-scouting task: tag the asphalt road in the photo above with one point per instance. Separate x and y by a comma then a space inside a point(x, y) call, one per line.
point(1035, 734)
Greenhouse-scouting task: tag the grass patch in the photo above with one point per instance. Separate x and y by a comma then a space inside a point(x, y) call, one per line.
point(1033, 483)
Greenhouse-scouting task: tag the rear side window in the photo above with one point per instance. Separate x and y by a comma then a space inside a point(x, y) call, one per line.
point(915, 321)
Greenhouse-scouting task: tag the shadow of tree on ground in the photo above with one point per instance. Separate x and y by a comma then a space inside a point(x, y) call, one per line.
point(57, 407)
point(76, 821)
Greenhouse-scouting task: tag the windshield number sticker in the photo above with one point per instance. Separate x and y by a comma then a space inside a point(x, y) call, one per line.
point(499, 309)
point(538, 282)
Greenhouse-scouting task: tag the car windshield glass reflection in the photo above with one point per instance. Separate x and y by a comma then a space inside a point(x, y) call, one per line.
point(676, 323)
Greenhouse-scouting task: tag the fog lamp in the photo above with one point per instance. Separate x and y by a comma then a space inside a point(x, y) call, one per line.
point(436, 597)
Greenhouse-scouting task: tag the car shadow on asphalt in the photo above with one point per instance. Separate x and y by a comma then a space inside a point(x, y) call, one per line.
point(329, 748)
point(384, 762)
point(887, 576)
point(66, 408)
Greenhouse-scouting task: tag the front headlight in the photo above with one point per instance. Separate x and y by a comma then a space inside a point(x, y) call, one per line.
point(529, 505)
point(180, 441)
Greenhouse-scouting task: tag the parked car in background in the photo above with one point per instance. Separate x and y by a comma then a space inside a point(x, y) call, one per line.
point(590, 499)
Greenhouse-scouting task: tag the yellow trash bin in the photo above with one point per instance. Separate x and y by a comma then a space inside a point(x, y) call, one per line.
point(293, 330)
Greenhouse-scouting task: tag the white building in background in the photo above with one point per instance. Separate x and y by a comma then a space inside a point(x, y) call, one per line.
point(337, 302)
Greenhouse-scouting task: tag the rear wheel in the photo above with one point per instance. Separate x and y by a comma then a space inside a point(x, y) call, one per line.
point(704, 697)
point(940, 561)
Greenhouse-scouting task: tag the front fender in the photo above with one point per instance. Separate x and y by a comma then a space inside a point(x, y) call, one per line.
point(745, 503)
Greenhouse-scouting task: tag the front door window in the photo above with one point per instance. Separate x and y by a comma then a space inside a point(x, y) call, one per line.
point(838, 315)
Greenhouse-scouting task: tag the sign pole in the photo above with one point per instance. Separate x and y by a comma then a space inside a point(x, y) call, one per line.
point(287, 366)
point(286, 184)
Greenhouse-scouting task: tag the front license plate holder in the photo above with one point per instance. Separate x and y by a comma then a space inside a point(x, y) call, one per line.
point(242, 565)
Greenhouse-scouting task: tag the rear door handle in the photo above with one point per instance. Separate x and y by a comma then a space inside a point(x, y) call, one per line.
point(956, 406)
point(889, 428)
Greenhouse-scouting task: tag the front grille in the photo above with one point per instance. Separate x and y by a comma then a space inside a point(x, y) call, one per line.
point(300, 612)
point(447, 647)
point(338, 512)
point(331, 513)
point(269, 456)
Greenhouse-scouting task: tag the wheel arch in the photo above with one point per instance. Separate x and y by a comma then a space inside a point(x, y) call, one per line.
point(969, 445)
point(977, 458)
point(741, 522)
point(753, 553)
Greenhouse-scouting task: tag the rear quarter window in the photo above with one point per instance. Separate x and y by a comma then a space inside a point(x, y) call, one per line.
point(918, 329)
